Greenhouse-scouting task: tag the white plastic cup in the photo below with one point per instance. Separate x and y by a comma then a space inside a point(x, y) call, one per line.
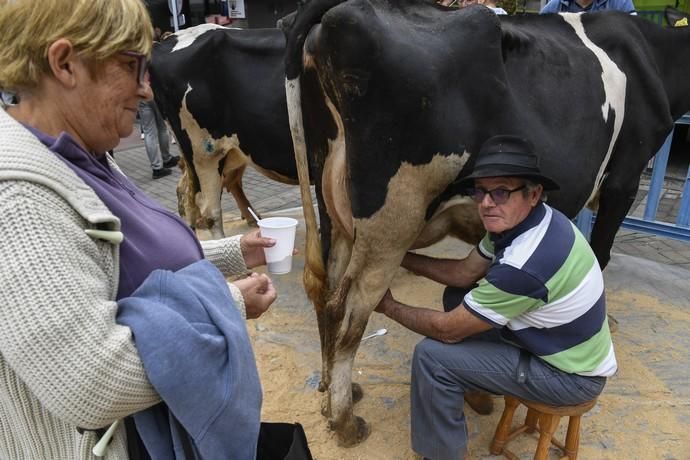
point(281, 229)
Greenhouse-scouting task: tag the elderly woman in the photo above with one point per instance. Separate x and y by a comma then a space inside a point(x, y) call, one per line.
point(78, 236)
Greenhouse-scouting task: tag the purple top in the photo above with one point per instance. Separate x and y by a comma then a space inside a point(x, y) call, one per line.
point(154, 237)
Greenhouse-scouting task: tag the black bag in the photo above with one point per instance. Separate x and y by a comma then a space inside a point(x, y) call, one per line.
point(282, 441)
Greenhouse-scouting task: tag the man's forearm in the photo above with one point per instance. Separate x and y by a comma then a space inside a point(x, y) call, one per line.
point(444, 271)
point(423, 321)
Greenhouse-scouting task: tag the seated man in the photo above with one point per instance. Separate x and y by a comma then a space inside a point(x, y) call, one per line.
point(535, 324)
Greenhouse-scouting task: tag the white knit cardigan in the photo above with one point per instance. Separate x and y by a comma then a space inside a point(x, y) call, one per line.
point(64, 361)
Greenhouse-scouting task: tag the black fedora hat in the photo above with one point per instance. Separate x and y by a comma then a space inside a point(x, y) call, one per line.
point(508, 155)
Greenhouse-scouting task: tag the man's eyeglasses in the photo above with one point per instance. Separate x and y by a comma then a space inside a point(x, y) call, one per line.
point(142, 64)
point(498, 195)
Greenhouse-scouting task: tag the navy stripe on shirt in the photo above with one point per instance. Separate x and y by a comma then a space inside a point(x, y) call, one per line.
point(515, 281)
point(553, 250)
point(544, 342)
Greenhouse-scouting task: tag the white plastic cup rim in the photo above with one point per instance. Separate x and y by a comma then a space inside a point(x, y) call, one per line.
point(277, 222)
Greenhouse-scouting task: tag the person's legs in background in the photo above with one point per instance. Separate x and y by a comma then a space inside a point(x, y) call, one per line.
point(169, 161)
point(147, 116)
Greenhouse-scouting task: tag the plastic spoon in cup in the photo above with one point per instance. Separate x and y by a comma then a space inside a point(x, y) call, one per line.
point(251, 211)
point(378, 333)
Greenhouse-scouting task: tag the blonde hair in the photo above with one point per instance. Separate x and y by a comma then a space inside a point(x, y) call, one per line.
point(98, 29)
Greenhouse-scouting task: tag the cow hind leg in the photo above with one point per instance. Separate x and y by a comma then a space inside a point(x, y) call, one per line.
point(232, 181)
point(350, 308)
point(186, 205)
point(616, 198)
point(340, 250)
point(350, 428)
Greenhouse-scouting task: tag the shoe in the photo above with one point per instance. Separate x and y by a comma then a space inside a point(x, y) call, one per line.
point(158, 173)
point(141, 136)
point(172, 162)
point(480, 401)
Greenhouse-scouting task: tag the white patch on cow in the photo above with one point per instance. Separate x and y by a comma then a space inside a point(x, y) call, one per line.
point(614, 81)
point(383, 238)
point(207, 152)
point(186, 37)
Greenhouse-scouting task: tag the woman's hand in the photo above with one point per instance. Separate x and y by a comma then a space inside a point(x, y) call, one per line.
point(258, 293)
point(252, 245)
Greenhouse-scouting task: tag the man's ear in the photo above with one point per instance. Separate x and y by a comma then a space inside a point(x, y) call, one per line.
point(537, 193)
point(62, 61)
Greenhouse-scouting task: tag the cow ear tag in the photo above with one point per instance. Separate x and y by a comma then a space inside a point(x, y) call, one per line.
point(208, 146)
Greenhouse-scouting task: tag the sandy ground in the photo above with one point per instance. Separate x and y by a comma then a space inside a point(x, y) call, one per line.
point(644, 412)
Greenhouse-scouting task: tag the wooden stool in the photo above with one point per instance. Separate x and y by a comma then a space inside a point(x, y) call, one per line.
point(548, 417)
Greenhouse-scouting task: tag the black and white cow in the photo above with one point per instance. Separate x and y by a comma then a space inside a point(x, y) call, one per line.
point(222, 91)
point(396, 99)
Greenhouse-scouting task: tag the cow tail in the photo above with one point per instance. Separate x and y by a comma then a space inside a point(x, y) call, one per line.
point(297, 29)
point(314, 269)
point(315, 281)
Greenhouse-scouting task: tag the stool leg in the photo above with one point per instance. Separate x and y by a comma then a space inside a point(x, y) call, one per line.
point(531, 420)
point(547, 427)
point(572, 439)
point(503, 428)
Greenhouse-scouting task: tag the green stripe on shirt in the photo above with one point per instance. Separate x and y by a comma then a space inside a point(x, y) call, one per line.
point(584, 357)
point(571, 274)
point(501, 302)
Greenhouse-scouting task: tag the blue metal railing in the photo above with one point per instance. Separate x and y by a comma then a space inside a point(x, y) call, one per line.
point(648, 223)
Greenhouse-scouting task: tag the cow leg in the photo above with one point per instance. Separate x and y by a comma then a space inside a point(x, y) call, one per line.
point(208, 197)
point(348, 313)
point(232, 180)
point(381, 241)
point(338, 258)
point(208, 153)
point(186, 206)
point(616, 197)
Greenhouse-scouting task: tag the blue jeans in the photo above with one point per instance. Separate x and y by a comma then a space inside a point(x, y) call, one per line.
point(441, 373)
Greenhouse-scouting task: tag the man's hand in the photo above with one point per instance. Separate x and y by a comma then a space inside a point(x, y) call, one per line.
point(252, 245)
point(385, 302)
point(258, 293)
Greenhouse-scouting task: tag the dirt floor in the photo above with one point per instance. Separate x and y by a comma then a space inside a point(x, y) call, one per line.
point(644, 412)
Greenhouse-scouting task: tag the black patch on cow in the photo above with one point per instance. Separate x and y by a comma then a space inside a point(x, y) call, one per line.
point(237, 79)
point(411, 80)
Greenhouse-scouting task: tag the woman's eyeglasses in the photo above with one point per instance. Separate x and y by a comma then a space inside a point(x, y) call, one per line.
point(142, 64)
point(498, 195)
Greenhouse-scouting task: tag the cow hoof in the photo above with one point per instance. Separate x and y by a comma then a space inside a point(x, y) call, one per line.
point(353, 433)
point(357, 393)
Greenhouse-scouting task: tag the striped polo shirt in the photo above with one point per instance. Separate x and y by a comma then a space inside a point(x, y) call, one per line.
point(545, 290)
